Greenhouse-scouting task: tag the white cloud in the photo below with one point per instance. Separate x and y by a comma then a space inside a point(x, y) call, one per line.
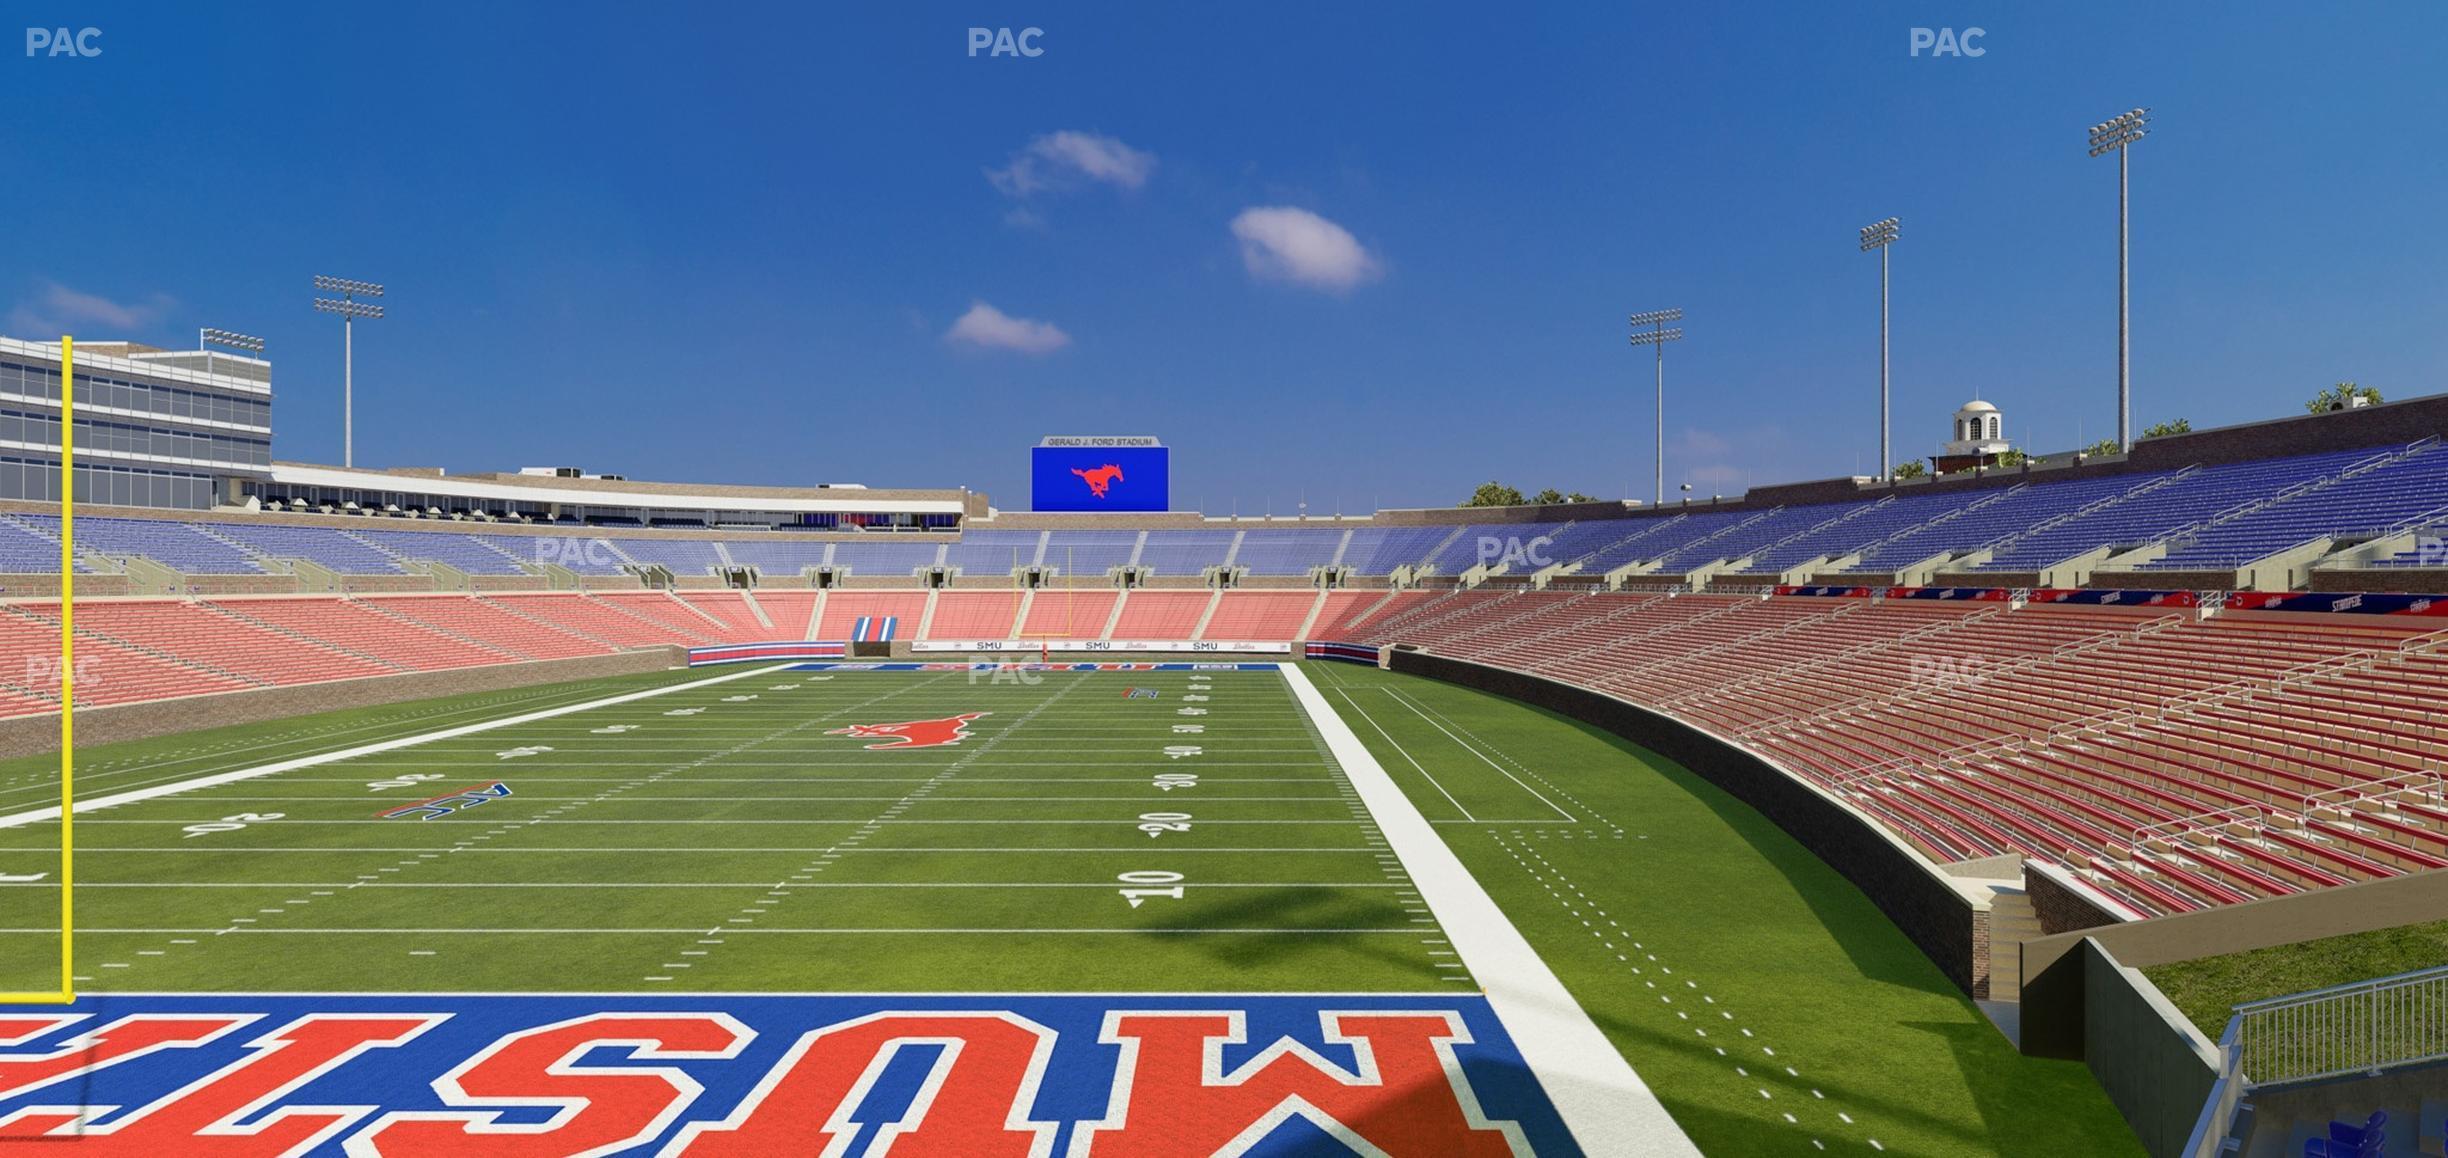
point(1704, 443)
point(1071, 158)
point(988, 328)
point(1280, 243)
point(57, 309)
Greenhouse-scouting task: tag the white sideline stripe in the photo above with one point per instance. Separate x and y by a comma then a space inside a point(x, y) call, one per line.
point(17, 819)
point(1607, 1106)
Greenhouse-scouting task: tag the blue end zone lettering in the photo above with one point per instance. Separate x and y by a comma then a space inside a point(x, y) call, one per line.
point(470, 1075)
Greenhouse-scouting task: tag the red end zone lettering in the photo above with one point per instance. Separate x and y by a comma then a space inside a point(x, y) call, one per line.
point(907, 1076)
point(973, 1103)
point(1172, 1094)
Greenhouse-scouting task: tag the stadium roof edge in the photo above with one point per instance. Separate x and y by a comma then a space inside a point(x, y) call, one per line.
point(602, 492)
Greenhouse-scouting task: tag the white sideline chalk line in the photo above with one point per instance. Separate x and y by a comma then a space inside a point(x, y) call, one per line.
point(1425, 774)
point(1606, 1105)
point(36, 816)
point(1473, 749)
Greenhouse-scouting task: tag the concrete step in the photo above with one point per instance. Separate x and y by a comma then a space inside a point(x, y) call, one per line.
point(2012, 921)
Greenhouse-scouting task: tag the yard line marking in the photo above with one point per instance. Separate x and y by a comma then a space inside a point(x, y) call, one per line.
point(1372, 720)
point(37, 816)
point(915, 930)
point(755, 884)
point(119, 770)
point(1609, 1109)
point(713, 850)
point(1405, 701)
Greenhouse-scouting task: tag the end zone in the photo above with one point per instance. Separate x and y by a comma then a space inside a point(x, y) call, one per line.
point(979, 1076)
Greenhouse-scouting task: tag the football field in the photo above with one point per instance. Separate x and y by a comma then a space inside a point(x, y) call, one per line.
point(864, 841)
point(1112, 831)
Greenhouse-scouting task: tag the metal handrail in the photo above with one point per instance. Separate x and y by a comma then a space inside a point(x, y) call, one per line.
point(2363, 1027)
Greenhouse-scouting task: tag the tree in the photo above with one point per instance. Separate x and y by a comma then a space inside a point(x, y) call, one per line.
point(1550, 495)
point(1494, 494)
point(1912, 469)
point(1578, 497)
point(2013, 458)
point(2340, 396)
point(2103, 446)
point(2164, 429)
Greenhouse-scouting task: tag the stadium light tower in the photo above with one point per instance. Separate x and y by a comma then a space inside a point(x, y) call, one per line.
point(1658, 335)
point(349, 309)
point(2114, 136)
point(1879, 236)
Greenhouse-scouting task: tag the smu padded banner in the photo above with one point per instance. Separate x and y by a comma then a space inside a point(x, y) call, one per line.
point(1828, 592)
point(1958, 594)
point(1100, 478)
point(2115, 598)
point(2338, 603)
point(236, 1076)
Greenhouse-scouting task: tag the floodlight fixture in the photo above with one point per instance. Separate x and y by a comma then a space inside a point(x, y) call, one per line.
point(229, 340)
point(350, 287)
point(349, 309)
point(1879, 235)
point(1656, 336)
point(2115, 135)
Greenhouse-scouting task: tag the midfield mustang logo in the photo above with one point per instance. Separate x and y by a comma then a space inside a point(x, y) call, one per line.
point(395, 1076)
point(915, 733)
point(1101, 479)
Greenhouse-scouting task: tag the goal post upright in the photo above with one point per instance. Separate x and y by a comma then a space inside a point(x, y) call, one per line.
point(1070, 596)
point(67, 689)
point(67, 991)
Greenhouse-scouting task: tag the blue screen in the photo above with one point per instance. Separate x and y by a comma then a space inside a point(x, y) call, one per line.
point(1068, 478)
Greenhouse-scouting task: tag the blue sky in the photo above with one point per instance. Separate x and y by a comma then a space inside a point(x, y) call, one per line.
point(738, 242)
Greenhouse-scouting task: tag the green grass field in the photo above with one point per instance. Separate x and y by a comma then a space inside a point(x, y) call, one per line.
point(718, 838)
point(1654, 896)
point(2208, 990)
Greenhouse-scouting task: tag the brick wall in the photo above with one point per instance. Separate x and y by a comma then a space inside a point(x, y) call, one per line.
point(2059, 908)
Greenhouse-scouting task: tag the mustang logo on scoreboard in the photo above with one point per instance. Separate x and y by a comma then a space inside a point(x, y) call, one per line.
point(469, 1076)
point(1101, 479)
point(914, 733)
